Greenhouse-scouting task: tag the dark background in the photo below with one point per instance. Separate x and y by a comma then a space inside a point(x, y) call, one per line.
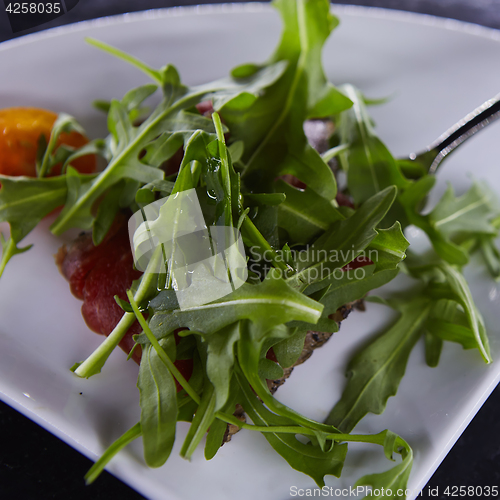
point(36, 465)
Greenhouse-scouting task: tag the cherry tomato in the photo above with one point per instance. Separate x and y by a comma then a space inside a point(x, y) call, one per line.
point(20, 130)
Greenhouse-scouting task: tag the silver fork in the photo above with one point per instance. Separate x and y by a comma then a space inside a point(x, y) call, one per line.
point(472, 123)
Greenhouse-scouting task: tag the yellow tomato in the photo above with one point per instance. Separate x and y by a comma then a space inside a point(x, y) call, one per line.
point(20, 130)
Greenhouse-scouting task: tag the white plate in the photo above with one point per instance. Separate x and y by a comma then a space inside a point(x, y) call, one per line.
point(436, 72)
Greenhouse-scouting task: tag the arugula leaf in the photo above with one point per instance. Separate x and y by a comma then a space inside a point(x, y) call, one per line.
point(220, 360)
point(460, 292)
point(25, 201)
point(63, 124)
point(442, 312)
point(389, 248)
point(152, 73)
point(269, 303)
point(303, 214)
point(253, 338)
point(491, 255)
point(181, 130)
point(451, 331)
point(108, 208)
point(275, 143)
point(126, 145)
point(411, 200)
point(203, 419)
point(306, 458)
point(218, 428)
point(468, 216)
point(9, 249)
point(377, 369)
point(469, 213)
point(369, 165)
point(158, 406)
point(351, 286)
point(433, 348)
point(395, 479)
point(347, 238)
point(132, 434)
point(269, 370)
point(288, 350)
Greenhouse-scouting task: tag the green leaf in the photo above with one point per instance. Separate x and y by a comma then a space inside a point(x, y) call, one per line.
point(203, 419)
point(445, 330)
point(179, 132)
point(269, 303)
point(253, 338)
point(238, 93)
point(303, 214)
point(63, 124)
point(218, 428)
point(461, 293)
point(469, 213)
point(158, 406)
point(106, 213)
point(9, 249)
point(442, 312)
point(155, 75)
point(25, 201)
point(349, 287)
point(269, 370)
point(369, 165)
point(129, 436)
point(343, 242)
point(275, 143)
point(395, 479)
point(377, 369)
point(220, 360)
point(412, 200)
point(491, 255)
point(145, 194)
point(433, 348)
point(135, 97)
point(288, 350)
point(388, 248)
point(262, 199)
point(127, 144)
point(306, 458)
point(98, 147)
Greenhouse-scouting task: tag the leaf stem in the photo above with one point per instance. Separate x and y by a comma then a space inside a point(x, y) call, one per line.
point(102, 181)
point(152, 73)
point(129, 436)
point(224, 165)
point(9, 250)
point(253, 234)
point(161, 352)
point(291, 98)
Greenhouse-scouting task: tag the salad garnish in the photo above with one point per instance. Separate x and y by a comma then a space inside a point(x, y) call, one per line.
point(309, 251)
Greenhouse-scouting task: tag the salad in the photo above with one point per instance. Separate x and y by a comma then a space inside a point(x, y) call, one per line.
point(253, 169)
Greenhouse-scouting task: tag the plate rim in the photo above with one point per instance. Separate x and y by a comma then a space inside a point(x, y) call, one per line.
point(203, 9)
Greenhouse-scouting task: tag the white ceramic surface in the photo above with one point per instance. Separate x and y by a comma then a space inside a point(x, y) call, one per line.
point(435, 71)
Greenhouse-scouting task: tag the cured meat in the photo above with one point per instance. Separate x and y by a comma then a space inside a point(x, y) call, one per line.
point(97, 274)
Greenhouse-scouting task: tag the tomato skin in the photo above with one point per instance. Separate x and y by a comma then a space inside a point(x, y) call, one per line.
point(20, 130)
